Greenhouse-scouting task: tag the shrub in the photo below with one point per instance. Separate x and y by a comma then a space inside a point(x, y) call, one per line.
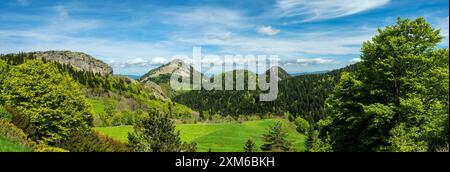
point(46, 148)
point(93, 141)
point(11, 132)
point(302, 125)
point(4, 114)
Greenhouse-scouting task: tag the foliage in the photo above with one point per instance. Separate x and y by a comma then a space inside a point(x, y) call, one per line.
point(12, 133)
point(156, 133)
point(302, 125)
point(4, 114)
point(398, 99)
point(250, 146)
point(93, 141)
point(321, 144)
point(276, 140)
point(46, 148)
point(51, 101)
point(304, 94)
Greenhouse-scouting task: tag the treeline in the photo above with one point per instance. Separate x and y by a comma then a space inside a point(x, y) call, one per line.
point(300, 96)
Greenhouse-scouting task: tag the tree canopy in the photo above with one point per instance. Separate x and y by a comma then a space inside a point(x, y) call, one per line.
point(52, 102)
point(398, 99)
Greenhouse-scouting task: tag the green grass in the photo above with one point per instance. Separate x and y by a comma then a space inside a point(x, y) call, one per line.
point(220, 137)
point(97, 105)
point(10, 146)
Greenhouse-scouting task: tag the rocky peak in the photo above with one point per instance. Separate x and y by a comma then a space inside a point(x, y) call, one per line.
point(76, 59)
point(176, 66)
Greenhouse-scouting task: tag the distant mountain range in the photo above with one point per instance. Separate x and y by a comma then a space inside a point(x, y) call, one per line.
point(135, 77)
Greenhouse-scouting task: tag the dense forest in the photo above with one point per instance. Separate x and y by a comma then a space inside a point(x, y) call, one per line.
point(302, 95)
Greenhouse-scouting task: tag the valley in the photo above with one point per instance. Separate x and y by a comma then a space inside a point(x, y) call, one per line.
point(219, 137)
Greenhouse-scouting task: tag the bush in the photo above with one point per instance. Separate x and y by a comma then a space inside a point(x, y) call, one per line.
point(93, 141)
point(4, 114)
point(46, 148)
point(11, 132)
point(302, 125)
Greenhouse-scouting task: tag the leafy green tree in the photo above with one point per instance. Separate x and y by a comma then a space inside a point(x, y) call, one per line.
point(302, 125)
point(52, 102)
point(156, 133)
point(250, 146)
point(397, 100)
point(276, 140)
point(3, 69)
point(4, 114)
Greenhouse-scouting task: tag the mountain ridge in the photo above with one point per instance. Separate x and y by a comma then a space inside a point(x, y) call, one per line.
point(77, 59)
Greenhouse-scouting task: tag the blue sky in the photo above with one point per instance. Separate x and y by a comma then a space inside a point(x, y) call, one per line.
point(137, 35)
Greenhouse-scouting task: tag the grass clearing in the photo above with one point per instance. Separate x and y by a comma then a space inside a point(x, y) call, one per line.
point(220, 137)
point(11, 146)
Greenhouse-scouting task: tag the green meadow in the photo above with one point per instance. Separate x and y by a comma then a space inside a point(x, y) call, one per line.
point(220, 137)
point(11, 146)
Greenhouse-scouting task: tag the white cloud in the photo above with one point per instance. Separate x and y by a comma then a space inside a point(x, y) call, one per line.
point(329, 43)
point(203, 16)
point(355, 60)
point(313, 61)
point(159, 60)
point(443, 25)
point(268, 30)
point(137, 61)
point(212, 60)
point(219, 36)
point(324, 9)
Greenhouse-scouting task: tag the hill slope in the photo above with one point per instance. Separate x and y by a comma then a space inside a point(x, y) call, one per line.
point(300, 95)
point(161, 76)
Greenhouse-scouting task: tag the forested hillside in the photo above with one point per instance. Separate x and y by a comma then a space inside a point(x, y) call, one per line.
point(113, 97)
point(302, 95)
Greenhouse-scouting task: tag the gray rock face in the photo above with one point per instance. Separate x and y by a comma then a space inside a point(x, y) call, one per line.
point(79, 60)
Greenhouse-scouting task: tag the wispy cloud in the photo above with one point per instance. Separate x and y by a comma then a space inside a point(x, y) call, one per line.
point(134, 37)
point(139, 62)
point(443, 25)
point(268, 30)
point(23, 2)
point(324, 9)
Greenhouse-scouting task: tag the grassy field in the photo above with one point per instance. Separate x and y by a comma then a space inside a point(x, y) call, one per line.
point(220, 137)
point(10, 146)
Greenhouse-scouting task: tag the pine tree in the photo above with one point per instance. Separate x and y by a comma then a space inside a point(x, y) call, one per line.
point(156, 133)
point(250, 146)
point(276, 140)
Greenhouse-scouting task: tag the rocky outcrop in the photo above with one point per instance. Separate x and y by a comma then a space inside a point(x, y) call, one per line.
point(76, 59)
point(155, 90)
point(163, 73)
